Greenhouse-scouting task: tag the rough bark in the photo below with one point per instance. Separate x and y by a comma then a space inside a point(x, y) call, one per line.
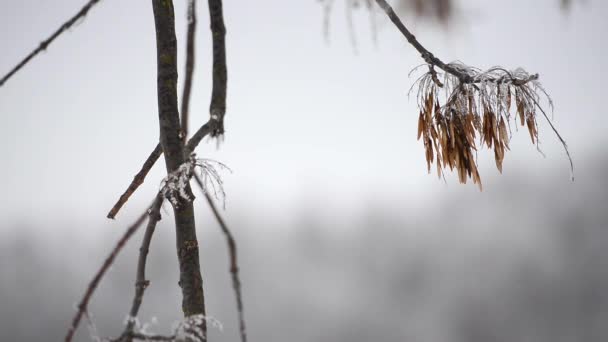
point(172, 145)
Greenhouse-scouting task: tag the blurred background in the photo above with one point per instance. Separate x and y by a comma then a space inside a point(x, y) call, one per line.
point(342, 234)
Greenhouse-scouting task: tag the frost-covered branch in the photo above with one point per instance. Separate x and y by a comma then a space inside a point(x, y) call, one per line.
point(45, 43)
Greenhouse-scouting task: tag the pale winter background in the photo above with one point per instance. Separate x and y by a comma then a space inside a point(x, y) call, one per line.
point(342, 234)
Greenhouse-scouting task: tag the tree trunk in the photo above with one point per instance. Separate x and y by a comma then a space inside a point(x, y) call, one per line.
point(172, 144)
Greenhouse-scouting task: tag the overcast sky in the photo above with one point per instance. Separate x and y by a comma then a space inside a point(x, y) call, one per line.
point(307, 121)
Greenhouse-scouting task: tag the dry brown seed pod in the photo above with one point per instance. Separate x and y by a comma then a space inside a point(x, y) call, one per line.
point(531, 127)
point(420, 125)
point(502, 132)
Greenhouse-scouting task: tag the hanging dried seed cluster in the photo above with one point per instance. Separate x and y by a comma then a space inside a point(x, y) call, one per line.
point(480, 107)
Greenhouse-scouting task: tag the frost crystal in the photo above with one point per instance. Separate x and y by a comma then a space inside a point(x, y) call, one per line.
point(191, 328)
point(92, 328)
point(174, 186)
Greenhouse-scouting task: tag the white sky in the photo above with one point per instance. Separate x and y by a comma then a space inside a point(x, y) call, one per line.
point(306, 121)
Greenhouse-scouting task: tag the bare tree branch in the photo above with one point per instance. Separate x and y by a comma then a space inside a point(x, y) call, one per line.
point(137, 181)
point(190, 51)
point(202, 132)
point(84, 302)
point(234, 266)
point(217, 108)
point(141, 283)
point(190, 54)
point(45, 43)
point(426, 54)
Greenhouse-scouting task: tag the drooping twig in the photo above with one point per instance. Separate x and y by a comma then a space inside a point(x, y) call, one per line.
point(190, 51)
point(217, 108)
point(141, 283)
point(45, 43)
point(234, 269)
point(559, 136)
point(84, 302)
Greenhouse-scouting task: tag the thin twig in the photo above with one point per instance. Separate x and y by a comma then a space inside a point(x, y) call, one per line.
point(190, 54)
point(44, 44)
point(217, 108)
point(234, 268)
point(84, 302)
point(137, 181)
point(141, 283)
point(558, 136)
point(426, 54)
point(139, 178)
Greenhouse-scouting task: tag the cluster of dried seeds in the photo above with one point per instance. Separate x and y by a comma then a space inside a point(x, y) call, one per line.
point(482, 106)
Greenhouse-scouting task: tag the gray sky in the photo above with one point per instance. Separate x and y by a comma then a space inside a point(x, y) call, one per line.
point(307, 122)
